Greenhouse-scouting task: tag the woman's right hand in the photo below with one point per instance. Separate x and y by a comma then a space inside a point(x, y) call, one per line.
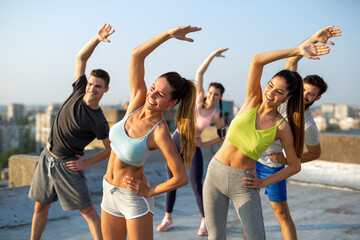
point(137, 186)
point(180, 32)
point(311, 51)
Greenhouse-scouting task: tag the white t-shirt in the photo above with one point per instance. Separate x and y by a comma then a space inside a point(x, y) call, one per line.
point(311, 137)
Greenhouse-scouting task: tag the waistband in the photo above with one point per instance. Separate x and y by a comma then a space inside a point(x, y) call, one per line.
point(224, 166)
point(56, 159)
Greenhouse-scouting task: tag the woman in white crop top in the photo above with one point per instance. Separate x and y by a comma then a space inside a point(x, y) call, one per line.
point(205, 114)
point(127, 206)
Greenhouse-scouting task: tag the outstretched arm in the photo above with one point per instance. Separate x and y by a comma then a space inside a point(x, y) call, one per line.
point(199, 78)
point(137, 69)
point(86, 51)
point(322, 36)
point(254, 93)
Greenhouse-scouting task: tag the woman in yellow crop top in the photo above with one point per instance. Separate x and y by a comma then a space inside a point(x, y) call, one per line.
point(231, 172)
point(127, 206)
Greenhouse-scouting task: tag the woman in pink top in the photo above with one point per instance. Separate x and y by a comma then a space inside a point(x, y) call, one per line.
point(206, 114)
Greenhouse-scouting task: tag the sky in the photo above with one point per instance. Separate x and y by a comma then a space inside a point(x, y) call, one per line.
point(39, 41)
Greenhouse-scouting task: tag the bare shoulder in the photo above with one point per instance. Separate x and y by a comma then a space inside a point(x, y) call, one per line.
point(162, 133)
point(284, 132)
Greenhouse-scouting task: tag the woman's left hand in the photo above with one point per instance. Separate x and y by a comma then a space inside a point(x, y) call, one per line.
point(312, 51)
point(137, 186)
point(252, 182)
point(180, 32)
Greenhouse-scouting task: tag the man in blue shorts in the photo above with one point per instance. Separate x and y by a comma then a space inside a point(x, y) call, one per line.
point(273, 160)
point(59, 173)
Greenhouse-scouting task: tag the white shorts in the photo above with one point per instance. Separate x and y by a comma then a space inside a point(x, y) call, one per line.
point(121, 202)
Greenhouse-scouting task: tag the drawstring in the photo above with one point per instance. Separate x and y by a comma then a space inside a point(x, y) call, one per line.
point(112, 189)
point(51, 165)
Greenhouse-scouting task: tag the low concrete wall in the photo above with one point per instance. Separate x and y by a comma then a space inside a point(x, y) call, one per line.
point(21, 169)
point(340, 148)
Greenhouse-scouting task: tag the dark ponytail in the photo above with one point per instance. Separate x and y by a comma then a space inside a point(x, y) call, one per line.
point(295, 107)
point(185, 92)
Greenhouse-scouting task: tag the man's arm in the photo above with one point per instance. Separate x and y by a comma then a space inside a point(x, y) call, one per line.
point(86, 51)
point(312, 153)
point(322, 36)
point(80, 164)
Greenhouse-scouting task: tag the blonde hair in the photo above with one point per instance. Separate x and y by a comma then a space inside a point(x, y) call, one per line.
point(185, 92)
point(185, 121)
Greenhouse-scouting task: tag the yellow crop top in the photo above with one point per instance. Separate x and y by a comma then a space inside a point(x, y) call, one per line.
point(242, 133)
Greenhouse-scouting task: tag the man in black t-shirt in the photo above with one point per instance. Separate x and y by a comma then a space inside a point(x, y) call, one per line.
point(59, 173)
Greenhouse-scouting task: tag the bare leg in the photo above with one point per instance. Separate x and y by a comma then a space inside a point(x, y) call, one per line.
point(39, 220)
point(141, 228)
point(282, 213)
point(93, 220)
point(113, 227)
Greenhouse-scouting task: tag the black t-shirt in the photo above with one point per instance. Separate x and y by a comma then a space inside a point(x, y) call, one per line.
point(76, 124)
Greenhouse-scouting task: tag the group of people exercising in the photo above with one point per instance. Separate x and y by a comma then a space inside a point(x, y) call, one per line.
point(251, 155)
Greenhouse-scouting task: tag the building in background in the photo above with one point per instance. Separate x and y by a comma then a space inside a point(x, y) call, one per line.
point(342, 111)
point(15, 111)
point(43, 122)
point(11, 136)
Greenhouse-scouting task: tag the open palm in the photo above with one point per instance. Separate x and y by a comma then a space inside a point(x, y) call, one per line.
point(104, 32)
point(180, 32)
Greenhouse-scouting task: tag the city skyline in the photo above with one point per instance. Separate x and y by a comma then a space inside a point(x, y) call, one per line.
point(42, 39)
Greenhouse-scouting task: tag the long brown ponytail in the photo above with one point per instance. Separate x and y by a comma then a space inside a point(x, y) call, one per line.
point(295, 108)
point(185, 92)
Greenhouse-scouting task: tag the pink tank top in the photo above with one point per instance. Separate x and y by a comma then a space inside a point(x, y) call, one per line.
point(202, 122)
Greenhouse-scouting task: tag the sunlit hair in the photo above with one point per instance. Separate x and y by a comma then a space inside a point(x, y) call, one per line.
point(295, 107)
point(222, 90)
point(101, 74)
point(318, 82)
point(184, 91)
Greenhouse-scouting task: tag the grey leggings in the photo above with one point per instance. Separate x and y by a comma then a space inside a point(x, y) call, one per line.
point(222, 183)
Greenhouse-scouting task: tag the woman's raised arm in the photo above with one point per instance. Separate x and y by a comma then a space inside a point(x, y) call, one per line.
point(137, 70)
point(254, 93)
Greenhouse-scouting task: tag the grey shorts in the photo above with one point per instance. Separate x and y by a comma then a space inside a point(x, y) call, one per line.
point(121, 202)
point(53, 180)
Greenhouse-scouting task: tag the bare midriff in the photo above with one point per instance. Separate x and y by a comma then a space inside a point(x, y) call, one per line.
point(117, 170)
point(230, 155)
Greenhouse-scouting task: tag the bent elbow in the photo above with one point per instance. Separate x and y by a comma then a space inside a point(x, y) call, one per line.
point(185, 181)
point(257, 60)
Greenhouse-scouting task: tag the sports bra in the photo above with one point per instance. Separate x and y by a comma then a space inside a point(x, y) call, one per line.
point(202, 122)
point(133, 151)
point(242, 133)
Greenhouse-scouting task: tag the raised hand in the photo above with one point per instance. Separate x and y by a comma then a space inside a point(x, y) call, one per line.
point(324, 34)
point(311, 51)
point(218, 53)
point(180, 32)
point(104, 32)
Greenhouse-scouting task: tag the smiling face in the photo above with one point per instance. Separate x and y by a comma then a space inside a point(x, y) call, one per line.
point(159, 95)
point(311, 94)
point(213, 96)
point(276, 92)
point(95, 89)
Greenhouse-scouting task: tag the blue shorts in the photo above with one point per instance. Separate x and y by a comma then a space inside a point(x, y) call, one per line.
point(277, 191)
